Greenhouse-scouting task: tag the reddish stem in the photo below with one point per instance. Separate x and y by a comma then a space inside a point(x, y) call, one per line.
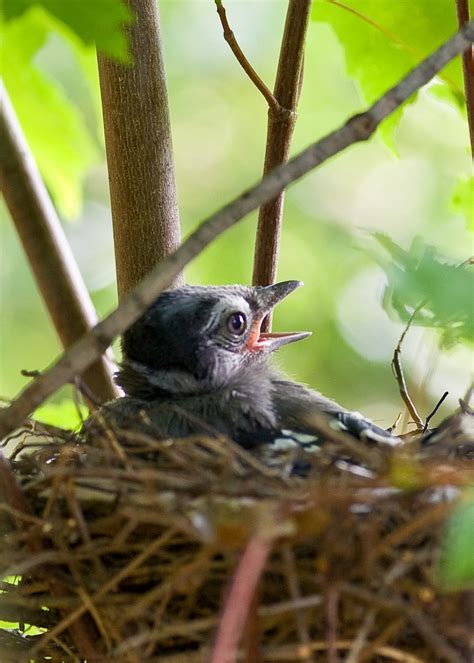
point(239, 600)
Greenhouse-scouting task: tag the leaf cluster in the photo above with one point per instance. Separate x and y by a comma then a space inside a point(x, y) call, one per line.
point(424, 286)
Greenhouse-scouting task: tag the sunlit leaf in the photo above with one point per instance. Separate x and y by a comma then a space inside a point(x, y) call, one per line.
point(99, 22)
point(54, 129)
point(382, 41)
point(456, 566)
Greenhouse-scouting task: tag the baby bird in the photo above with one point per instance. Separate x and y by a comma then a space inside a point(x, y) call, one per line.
point(197, 362)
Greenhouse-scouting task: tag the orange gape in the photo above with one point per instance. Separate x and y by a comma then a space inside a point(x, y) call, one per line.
point(254, 335)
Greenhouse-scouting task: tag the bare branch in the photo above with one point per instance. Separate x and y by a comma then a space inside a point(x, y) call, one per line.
point(462, 10)
point(434, 410)
point(399, 375)
point(142, 183)
point(242, 60)
point(49, 255)
point(357, 128)
point(281, 124)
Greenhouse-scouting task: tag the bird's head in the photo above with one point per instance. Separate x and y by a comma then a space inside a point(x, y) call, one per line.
point(196, 338)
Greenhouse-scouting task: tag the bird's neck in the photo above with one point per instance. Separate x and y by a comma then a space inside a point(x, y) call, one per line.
point(140, 381)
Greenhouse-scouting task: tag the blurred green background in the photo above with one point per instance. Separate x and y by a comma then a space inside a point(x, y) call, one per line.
point(401, 182)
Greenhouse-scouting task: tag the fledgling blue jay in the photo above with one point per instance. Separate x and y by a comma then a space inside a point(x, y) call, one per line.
point(198, 362)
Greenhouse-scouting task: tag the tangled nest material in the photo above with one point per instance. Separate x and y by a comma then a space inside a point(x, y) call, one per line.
point(143, 550)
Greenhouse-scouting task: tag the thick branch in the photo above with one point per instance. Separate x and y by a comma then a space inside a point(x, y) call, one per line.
point(462, 10)
point(139, 152)
point(57, 275)
point(358, 128)
point(279, 133)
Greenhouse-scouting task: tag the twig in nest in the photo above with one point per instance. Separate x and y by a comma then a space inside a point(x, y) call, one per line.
point(354, 655)
point(391, 428)
point(439, 646)
point(434, 411)
point(236, 607)
point(295, 592)
point(398, 372)
point(332, 608)
point(87, 393)
point(242, 60)
point(72, 618)
point(14, 497)
point(424, 521)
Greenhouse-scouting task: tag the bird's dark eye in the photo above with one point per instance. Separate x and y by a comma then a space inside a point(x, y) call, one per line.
point(237, 323)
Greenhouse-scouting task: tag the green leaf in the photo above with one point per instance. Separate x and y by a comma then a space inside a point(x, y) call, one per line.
point(456, 565)
point(100, 22)
point(54, 129)
point(65, 414)
point(382, 41)
point(423, 279)
point(462, 200)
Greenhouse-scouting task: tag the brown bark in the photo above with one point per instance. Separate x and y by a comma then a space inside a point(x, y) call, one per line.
point(462, 10)
point(281, 124)
point(357, 128)
point(57, 275)
point(139, 151)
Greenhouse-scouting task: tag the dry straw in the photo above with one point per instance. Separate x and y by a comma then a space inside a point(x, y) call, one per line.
point(129, 546)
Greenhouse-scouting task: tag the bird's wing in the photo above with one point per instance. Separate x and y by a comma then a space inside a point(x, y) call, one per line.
point(297, 406)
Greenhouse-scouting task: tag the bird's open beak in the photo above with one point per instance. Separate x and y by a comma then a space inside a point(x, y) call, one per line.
point(268, 297)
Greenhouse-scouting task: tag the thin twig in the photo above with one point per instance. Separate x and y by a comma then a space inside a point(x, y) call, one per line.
point(242, 60)
point(73, 618)
point(462, 10)
point(439, 646)
point(14, 497)
point(361, 638)
point(434, 411)
point(466, 400)
point(291, 652)
point(295, 593)
point(381, 639)
point(358, 128)
point(332, 609)
point(424, 521)
point(400, 377)
point(237, 604)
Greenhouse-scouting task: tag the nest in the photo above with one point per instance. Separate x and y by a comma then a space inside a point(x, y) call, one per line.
point(127, 548)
